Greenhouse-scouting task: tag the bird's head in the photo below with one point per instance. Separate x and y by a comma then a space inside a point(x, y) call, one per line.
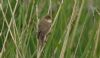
point(48, 19)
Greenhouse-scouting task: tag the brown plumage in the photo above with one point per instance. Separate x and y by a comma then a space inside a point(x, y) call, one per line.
point(43, 29)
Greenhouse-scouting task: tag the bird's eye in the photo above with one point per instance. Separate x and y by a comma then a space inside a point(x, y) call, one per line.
point(47, 17)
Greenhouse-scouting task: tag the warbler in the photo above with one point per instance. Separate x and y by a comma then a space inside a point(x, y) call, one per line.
point(43, 29)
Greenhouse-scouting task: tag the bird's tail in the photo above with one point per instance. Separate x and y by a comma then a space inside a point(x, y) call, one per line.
point(41, 37)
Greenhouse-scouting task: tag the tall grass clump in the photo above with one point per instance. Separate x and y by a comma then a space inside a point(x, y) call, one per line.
point(74, 33)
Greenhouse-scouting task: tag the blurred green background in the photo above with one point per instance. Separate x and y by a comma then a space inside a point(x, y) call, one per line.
point(75, 31)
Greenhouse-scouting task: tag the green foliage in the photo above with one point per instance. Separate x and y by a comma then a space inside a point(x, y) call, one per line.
point(75, 31)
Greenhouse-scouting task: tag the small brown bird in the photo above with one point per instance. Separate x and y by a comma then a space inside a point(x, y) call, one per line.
point(43, 29)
